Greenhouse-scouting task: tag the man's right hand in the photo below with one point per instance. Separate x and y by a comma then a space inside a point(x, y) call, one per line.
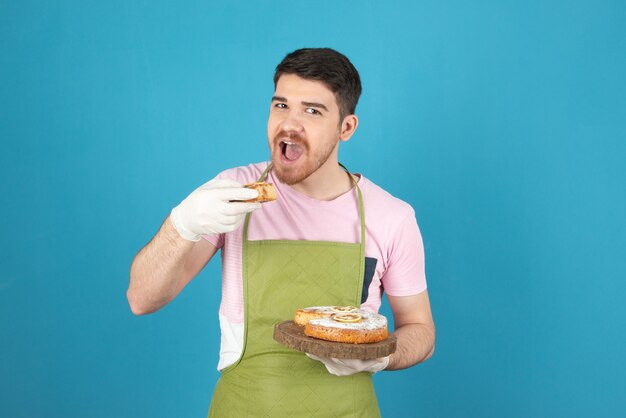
point(209, 209)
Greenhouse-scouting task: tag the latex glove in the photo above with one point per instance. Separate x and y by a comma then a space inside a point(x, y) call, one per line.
point(208, 210)
point(342, 367)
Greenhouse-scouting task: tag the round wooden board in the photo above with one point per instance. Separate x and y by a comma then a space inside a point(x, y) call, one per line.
point(291, 335)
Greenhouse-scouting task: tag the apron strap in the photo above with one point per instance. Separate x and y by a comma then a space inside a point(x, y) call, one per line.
point(361, 207)
point(362, 219)
point(265, 172)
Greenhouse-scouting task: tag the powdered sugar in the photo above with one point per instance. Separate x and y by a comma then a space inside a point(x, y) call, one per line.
point(369, 321)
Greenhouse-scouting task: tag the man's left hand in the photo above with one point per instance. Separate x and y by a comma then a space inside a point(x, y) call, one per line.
point(344, 367)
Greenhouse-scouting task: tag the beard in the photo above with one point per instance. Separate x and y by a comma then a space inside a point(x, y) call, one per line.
point(307, 164)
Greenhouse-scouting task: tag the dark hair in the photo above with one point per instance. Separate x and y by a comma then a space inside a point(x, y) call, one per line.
point(331, 68)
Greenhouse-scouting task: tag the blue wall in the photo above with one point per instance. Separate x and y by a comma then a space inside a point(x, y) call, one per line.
point(503, 123)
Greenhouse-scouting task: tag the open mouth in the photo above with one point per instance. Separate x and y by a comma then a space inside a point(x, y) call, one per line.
point(290, 151)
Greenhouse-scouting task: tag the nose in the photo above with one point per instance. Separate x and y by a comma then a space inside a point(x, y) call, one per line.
point(291, 121)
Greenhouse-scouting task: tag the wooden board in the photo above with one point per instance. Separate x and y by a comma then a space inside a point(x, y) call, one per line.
point(291, 335)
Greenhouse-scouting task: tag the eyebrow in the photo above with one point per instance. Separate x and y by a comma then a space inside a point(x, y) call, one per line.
point(309, 104)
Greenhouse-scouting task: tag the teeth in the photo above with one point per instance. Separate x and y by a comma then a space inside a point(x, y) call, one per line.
point(288, 142)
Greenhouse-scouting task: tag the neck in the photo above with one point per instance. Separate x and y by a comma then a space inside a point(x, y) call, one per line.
point(327, 182)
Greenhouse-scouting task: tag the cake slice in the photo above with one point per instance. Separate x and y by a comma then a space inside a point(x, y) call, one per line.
point(267, 191)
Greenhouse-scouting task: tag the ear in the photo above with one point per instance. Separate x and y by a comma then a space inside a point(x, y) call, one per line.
point(348, 126)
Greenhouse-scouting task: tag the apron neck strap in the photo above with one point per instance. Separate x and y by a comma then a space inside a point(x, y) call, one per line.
point(361, 208)
point(265, 172)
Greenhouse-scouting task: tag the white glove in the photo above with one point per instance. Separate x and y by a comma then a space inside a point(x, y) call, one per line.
point(208, 210)
point(342, 367)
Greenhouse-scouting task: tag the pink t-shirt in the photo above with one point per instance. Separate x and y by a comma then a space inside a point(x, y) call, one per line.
point(393, 245)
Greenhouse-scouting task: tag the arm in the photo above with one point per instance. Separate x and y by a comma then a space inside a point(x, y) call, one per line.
point(414, 329)
point(164, 267)
point(177, 252)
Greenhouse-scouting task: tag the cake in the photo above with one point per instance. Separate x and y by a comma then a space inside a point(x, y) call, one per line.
point(345, 324)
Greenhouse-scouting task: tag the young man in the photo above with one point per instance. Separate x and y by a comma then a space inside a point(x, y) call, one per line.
point(331, 238)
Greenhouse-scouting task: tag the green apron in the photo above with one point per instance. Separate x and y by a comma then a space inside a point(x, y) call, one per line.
point(270, 380)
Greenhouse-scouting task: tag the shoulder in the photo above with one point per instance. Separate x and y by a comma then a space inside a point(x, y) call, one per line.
point(381, 203)
point(244, 174)
point(390, 220)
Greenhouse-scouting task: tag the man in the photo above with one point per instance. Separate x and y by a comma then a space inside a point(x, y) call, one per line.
point(331, 238)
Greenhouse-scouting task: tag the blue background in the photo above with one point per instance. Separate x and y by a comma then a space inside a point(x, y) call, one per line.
point(502, 122)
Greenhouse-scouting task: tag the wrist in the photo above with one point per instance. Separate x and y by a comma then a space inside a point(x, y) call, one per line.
point(179, 227)
point(384, 364)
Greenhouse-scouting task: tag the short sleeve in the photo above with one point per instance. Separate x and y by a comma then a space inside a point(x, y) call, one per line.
point(405, 274)
point(217, 240)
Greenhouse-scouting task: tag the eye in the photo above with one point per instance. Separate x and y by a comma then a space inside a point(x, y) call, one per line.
point(280, 106)
point(312, 111)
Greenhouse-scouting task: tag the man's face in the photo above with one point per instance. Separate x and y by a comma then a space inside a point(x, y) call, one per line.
point(303, 127)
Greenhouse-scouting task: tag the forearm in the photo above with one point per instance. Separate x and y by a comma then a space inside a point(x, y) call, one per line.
point(416, 343)
point(157, 273)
